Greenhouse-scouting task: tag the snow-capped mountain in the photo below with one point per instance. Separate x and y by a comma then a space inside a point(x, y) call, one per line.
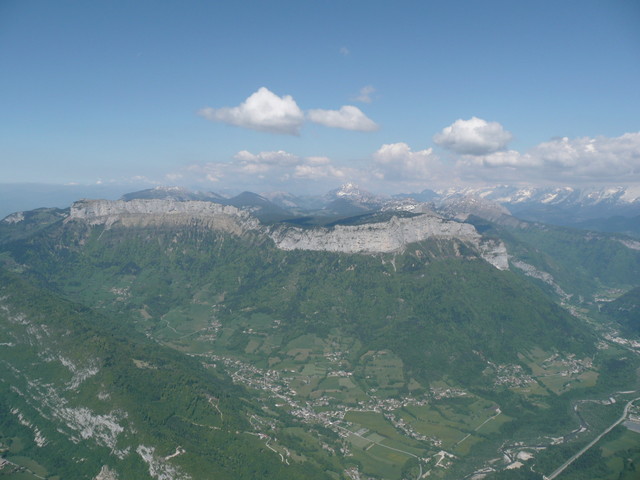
point(510, 195)
point(589, 207)
point(562, 205)
point(349, 199)
point(461, 207)
point(609, 209)
point(353, 192)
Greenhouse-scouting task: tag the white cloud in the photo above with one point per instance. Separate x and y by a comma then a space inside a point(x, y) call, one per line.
point(473, 137)
point(210, 171)
point(263, 110)
point(398, 161)
point(365, 94)
point(268, 168)
point(506, 158)
point(585, 159)
point(264, 162)
point(314, 172)
point(348, 118)
point(318, 160)
point(344, 51)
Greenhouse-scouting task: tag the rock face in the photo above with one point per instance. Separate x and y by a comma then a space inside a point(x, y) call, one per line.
point(106, 474)
point(461, 208)
point(384, 237)
point(142, 213)
point(391, 236)
point(14, 218)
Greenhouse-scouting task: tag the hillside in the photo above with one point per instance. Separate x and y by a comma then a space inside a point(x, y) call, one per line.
point(568, 263)
point(626, 311)
point(352, 361)
point(80, 391)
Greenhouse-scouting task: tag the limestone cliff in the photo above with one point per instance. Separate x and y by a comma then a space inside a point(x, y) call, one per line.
point(391, 236)
point(383, 237)
point(143, 213)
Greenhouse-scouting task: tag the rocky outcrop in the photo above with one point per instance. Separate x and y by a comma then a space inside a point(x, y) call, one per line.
point(494, 252)
point(153, 212)
point(106, 474)
point(14, 218)
point(632, 244)
point(461, 208)
point(531, 271)
point(385, 237)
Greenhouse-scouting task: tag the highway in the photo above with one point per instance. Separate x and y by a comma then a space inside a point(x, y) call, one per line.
point(622, 418)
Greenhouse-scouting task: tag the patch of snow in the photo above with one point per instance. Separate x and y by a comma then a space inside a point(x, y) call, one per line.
point(348, 190)
point(631, 194)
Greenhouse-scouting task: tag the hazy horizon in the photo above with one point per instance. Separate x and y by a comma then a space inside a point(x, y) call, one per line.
point(304, 97)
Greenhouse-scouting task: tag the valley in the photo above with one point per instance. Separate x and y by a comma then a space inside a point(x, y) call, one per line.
point(321, 240)
point(427, 360)
point(380, 418)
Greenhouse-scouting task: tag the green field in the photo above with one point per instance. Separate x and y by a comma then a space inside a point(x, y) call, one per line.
point(377, 444)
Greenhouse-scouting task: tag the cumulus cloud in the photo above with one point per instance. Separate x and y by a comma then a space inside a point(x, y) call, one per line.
point(506, 158)
point(348, 118)
point(398, 161)
point(314, 172)
point(365, 94)
point(269, 168)
point(264, 161)
point(344, 51)
point(210, 171)
point(473, 137)
point(263, 110)
point(586, 159)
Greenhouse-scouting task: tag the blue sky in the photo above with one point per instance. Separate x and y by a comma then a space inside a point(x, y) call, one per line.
point(303, 96)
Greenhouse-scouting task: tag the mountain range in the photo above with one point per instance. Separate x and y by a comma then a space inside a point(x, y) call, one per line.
point(174, 334)
point(607, 209)
point(613, 209)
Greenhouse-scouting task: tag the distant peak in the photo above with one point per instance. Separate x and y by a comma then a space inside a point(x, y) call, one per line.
point(180, 194)
point(348, 189)
point(163, 188)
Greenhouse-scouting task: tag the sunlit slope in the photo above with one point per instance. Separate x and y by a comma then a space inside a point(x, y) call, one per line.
point(440, 307)
point(582, 264)
point(80, 391)
point(626, 311)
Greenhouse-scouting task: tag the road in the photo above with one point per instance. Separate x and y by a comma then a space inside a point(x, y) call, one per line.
point(383, 446)
point(562, 467)
point(477, 428)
